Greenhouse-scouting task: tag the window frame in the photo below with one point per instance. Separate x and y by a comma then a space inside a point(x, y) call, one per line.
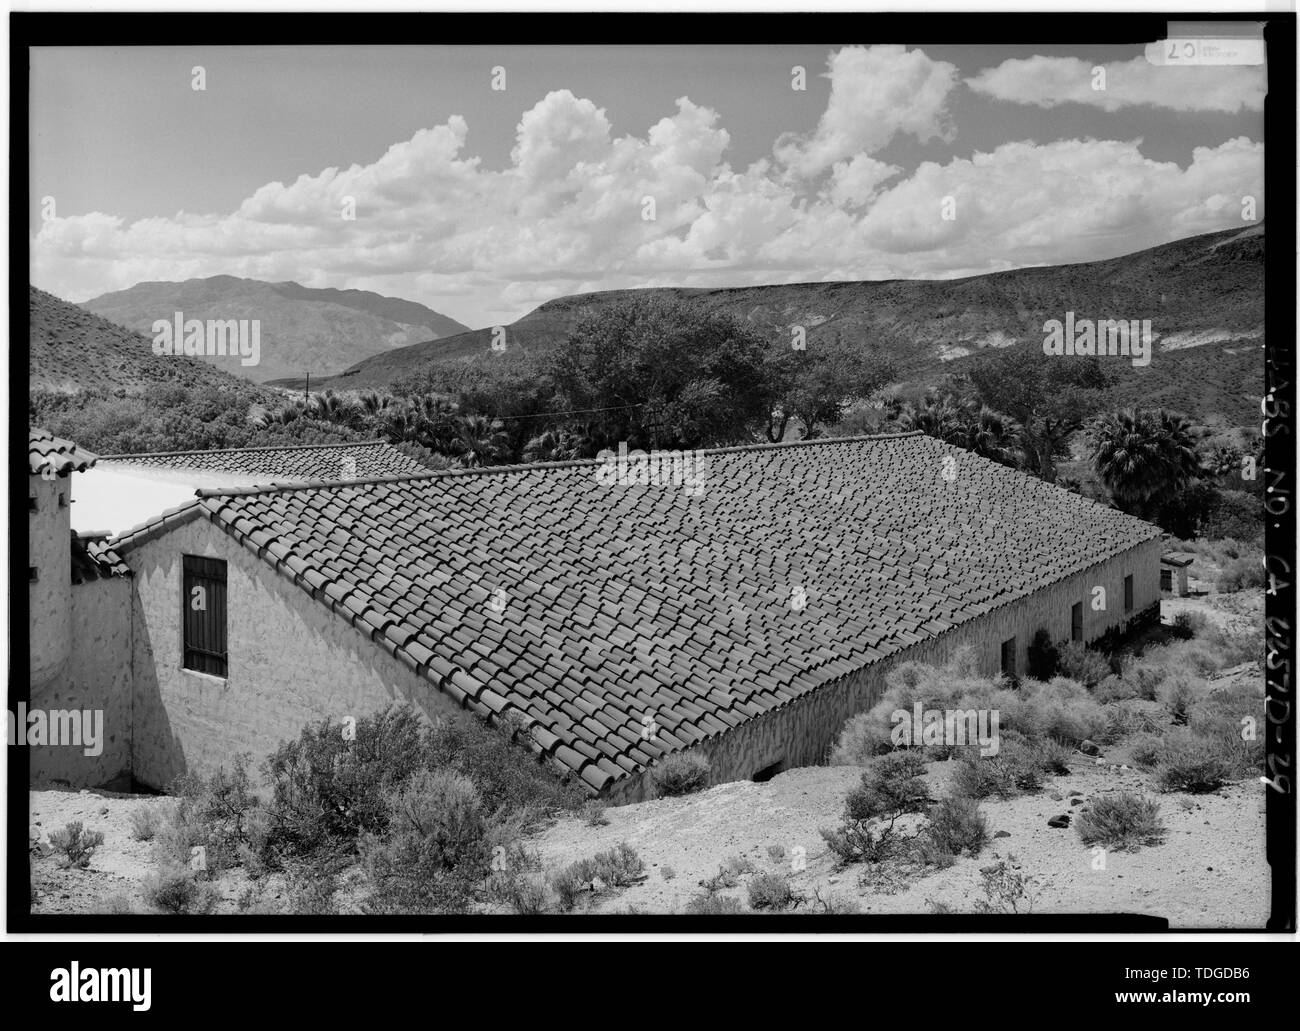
point(1076, 622)
point(1128, 593)
point(205, 646)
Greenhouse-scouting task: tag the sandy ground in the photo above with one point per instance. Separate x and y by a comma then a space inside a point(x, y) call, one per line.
point(1210, 871)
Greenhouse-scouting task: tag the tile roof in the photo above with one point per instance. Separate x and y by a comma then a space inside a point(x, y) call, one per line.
point(598, 611)
point(94, 559)
point(330, 462)
point(48, 454)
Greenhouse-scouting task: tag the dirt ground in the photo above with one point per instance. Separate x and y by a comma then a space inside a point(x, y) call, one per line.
point(1209, 872)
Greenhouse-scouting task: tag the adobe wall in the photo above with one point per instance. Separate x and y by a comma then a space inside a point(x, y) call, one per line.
point(292, 661)
point(96, 676)
point(803, 732)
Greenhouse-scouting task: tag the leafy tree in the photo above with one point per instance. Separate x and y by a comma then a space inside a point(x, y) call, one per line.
point(666, 375)
point(1144, 458)
point(1049, 397)
point(815, 386)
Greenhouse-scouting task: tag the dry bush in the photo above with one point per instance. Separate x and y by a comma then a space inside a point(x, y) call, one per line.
point(1124, 820)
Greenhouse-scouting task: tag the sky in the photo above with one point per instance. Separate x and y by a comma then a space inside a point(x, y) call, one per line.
point(402, 170)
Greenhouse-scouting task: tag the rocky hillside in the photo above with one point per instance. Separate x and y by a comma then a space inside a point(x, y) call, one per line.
point(303, 330)
point(1200, 292)
point(72, 350)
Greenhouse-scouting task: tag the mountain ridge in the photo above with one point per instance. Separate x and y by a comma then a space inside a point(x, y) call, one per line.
point(1209, 285)
point(320, 331)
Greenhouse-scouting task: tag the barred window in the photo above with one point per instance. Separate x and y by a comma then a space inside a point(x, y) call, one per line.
point(203, 614)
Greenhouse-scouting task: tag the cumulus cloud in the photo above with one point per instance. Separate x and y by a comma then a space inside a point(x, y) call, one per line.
point(876, 93)
point(1051, 81)
point(567, 213)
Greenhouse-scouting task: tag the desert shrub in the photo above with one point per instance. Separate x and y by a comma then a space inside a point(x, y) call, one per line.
point(1189, 763)
point(729, 873)
point(1053, 757)
point(1061, 709)
point(776, 853)
point(1146, 678)
point(498, 760)
point(618, 867)
point(890, 788)
point(1187, 624)
point(862, 738)
point(1146, 749)
point(76, 843)
point(835, 905)
point(1005, 888)
point(1044, 656)
point(527, 896)
point(1240, 574)
point(175, 889)
point(681, 774)
point(216, 813)
point(1115, 689)
point(145, 821)
point(1228, 720)
point(593, 813)
point(312, 885)
point(1013, 770)
point(769, 891)
point(952, 686)
point(667, 873)
point(1177, 694)
point(956, 827)
point(1124, 820)
point(1124, 719)
point(710, 903)
point(1083, 664)
point(434, 847)
point(329, 787)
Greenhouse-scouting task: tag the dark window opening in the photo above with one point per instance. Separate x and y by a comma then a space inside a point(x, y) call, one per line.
point(203, 614)
point(32, 506)
point(1166, 579)
point(1128, 594)
point(32, 575)
point(1076, 621)
point(63, 501)
point(1009, 657)
point(768, 772)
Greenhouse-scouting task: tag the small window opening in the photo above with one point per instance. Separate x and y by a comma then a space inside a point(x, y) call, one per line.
point(768, 772)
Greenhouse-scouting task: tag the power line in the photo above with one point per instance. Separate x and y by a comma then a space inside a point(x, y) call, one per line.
point(575, 411)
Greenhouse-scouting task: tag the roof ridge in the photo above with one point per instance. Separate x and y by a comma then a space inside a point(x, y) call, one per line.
point(246, 450)
point(492, 470)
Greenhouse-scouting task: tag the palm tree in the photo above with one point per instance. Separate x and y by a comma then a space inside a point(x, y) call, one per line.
point(995, 436)
point(1144, 457)
point(554, 445)
point(480, 441)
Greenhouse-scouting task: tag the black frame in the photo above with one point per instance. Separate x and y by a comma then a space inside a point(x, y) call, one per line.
point(29, 29)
